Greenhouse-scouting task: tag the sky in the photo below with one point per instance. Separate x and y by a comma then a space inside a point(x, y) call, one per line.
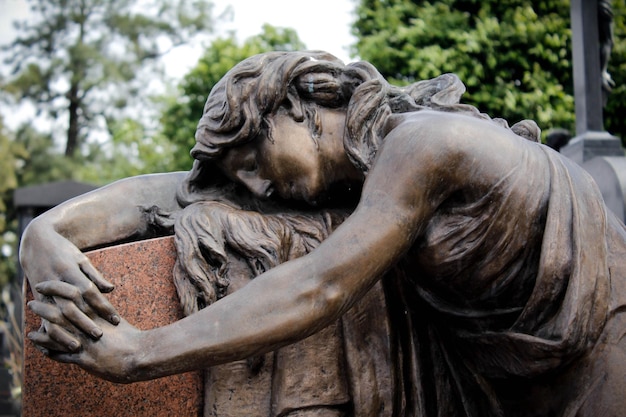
point(320, 24)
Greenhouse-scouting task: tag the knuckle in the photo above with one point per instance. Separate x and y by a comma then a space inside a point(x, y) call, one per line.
point(73, 293)
point(54, 316)
point(55, 332)
point(68, 309)
point(89, 288)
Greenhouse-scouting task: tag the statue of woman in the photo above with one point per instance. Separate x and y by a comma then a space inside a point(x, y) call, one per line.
point(504, 298)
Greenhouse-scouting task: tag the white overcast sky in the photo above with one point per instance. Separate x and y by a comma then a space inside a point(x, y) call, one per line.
point(321, 24)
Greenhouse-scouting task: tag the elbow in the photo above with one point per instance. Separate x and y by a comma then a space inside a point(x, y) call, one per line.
point(33, 233)
point(333, 298)
point(325, 302)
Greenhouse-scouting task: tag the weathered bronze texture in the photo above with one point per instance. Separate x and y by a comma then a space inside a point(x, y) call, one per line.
point(502, 285)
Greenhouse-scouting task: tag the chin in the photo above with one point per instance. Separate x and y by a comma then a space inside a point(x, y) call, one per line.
point(305, 195)
point(317, 199)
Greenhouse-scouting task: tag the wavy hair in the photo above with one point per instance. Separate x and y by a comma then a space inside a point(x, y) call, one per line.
point(238, 108)
point(209, 234)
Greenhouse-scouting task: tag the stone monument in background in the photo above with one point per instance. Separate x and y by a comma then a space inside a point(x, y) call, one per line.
point(599, 152)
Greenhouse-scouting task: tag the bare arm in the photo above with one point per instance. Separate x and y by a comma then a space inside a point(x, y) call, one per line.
point(296, 299)
point(108, 214)
point(50, 248)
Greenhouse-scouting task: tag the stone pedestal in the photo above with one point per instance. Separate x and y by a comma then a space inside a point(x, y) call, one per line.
point(592, 144)
point(609, 172)
point(601, 154)
point(146, 297)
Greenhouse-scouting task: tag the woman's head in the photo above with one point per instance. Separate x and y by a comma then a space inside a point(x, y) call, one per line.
point(242, 106)
point(248, 110)
point(239, 105)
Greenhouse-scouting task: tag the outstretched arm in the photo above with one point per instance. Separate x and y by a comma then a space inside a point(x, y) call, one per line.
point(50, 248)
point(289, 302)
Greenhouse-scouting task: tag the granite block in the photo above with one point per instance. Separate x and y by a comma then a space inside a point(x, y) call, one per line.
point(145, 295)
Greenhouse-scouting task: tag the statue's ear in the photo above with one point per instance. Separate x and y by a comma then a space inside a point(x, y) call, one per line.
point(294, 104)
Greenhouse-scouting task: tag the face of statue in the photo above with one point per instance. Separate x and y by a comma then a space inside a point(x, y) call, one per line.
point(291, 165)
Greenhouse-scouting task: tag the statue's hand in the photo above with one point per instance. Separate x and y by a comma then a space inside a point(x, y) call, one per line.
point(62, 276)
point(111, 357)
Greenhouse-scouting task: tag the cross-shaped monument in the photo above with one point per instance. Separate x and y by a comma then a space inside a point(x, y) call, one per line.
point(599, 152)
point(591, 139)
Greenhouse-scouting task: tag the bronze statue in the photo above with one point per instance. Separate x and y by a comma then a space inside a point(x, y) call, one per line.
point(325, 374)
point(501, 268)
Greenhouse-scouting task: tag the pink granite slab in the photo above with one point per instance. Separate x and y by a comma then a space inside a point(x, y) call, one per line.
point(146, 297)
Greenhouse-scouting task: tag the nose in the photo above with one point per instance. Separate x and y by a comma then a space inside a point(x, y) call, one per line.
point(259, 187)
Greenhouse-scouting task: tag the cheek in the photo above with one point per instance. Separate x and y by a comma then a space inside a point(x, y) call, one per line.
point(297, 166)
point(312, 179)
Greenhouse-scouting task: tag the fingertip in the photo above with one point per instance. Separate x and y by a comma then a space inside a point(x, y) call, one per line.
point(107, 288)
point(35, 339)
point(115, 319)
point(96, 332)
point(74, 346)
point(33, 305)
point(43, 288)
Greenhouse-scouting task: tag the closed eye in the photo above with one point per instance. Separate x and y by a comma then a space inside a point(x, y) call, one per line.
point(249, 164)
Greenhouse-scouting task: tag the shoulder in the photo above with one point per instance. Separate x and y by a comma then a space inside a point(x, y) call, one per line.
point(454, 131)
point(416, 166)
point(453, 143)
point(433, 154)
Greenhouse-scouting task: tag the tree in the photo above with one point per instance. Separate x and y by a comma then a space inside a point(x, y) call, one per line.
point(513, 55)
point(183, 111)
point(83, 59)
point(10, 152)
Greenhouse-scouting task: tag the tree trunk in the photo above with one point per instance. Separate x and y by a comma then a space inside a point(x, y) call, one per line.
point(72, 131)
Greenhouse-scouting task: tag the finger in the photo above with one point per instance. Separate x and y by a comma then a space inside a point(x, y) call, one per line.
point(100, 304)
point(59, 289)
point(78, 318)
point(68, 341)
point(83, 295)
point(96, 277)
point(48, 312)
point(45, 344)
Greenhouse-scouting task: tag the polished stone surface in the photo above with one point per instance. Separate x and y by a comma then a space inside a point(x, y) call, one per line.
point(146, 297)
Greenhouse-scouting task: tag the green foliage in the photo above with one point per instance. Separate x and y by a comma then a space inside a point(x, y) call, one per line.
point(132, 151)
point(183, 112)
point(85, 59)
point(9, 154)
point(513, 55)
point(27, 158)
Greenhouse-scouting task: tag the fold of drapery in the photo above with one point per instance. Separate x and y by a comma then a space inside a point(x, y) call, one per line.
point(447, 365)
